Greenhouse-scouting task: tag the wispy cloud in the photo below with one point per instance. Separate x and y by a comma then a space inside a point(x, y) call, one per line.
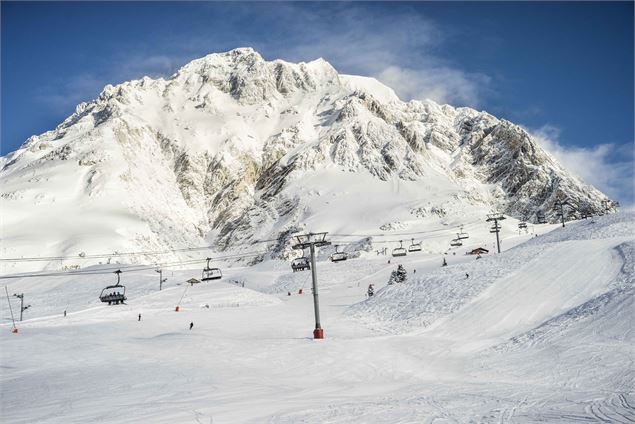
point(403, 54)
point(401, 50)
point(608, 166)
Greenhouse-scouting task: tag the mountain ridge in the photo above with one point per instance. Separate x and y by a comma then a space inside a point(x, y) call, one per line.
point(233, 148)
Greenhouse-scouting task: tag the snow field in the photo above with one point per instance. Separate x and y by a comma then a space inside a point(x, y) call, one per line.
point(541, 333)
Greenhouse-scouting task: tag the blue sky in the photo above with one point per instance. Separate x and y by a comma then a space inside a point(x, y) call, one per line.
point(563, 70)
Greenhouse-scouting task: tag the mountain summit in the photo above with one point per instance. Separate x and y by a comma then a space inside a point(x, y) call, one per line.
point(234, 148)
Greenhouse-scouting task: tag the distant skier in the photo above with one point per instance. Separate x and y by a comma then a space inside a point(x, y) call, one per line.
point(414, 271)
point(371, 290)
point(467, 275)
point(191, 325)
point(64, 312)
point(139, 317)
point(444, 262)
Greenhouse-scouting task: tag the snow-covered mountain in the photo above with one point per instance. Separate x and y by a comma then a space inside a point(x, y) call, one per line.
point(234, 148)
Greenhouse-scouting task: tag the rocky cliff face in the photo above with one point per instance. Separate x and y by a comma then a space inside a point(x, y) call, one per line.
point(234, 148)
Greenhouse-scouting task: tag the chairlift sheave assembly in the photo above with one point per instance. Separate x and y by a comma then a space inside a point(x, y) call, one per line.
point(115, 294)
point(400, 251)
point(211, 273)
point(338, 256)
point(414, 247)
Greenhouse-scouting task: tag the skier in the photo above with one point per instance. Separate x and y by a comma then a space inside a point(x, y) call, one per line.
point(371, 290)
point(139, 317)
point(467, 275)
point(191, 325)
point(414, 271)
point(444, 263)
point(64, 312)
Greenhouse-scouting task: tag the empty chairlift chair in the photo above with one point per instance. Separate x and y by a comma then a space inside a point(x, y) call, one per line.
point(456, 242)
point(211, 273)
point(338, 256)
point(300, 264)
point(462, 235)
point(116, 294)
point(414, 247)
point(399, 251)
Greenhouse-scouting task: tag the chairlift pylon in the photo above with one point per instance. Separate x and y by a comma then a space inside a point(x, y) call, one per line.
point(211, 273)
point(115, 294)
point(414, 247)
point(399, 251)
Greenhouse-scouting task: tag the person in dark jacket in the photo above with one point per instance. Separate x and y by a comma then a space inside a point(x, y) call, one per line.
point(191, 325)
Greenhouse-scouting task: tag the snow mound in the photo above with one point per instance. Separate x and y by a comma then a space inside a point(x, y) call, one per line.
point(548, 278)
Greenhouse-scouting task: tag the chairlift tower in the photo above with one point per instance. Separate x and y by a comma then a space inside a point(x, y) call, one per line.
point(161, 279)
point(560, 208)
point(495, 217)
point(22, 307)
point(313, 240)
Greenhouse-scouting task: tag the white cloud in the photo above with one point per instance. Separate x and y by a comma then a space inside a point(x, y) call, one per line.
point(398, 49)
point(441, 84)
point(608, 166)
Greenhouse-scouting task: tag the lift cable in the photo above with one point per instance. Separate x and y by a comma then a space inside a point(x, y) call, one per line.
point(113, 255)
point(130, 268)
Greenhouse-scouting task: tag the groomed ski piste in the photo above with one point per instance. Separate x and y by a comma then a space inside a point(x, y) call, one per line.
point(542, 332)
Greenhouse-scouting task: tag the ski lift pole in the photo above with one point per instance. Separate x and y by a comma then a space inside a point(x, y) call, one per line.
point(161, 280)
point(312, 240)
point(318, 333)
point(21, 297)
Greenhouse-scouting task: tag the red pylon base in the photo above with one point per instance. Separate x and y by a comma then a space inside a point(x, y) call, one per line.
point(318, 333)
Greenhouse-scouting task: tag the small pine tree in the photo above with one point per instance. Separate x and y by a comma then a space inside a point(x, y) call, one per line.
point(393, 278)
point(398, 276)
point(402, 274)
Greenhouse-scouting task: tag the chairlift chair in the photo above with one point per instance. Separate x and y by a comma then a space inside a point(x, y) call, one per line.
point(115, 294)
point(462, 235)
point(399, 251)
point(522, 224)
point(211, 273)
point(300, 264)
point(414, 247)
point(338, 256)
point(456, 242)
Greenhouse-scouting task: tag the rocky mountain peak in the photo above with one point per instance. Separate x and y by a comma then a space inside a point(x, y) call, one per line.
point(233, 148)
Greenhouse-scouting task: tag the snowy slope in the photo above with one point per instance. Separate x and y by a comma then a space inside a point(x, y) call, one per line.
point(234, 148)
point(542, 332)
